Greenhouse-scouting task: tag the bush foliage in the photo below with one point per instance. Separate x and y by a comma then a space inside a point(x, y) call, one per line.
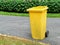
point(21, 6)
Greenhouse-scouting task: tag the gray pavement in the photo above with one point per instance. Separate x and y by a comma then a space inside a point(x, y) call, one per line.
point(20, 26)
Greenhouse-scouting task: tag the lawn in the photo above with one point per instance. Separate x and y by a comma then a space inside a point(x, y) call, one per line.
point(12, 40)
point(50, 15)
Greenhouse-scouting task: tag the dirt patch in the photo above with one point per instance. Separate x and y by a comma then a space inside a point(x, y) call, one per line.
point(13, 40)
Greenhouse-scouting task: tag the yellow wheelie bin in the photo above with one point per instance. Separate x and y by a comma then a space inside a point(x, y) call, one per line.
point(38, 17)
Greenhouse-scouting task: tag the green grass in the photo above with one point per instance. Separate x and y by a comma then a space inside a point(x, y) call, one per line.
point(50, 15)
point(4, 40)
point(53, 15)
point(13, 14)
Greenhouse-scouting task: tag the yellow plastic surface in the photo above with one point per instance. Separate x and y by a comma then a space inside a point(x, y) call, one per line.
point(38, 22)
point(38, 8)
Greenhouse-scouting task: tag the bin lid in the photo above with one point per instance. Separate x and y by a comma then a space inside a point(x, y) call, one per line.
point(38, 8)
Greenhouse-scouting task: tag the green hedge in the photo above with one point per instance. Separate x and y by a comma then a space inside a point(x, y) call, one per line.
point(54, 7)
point(18, 6)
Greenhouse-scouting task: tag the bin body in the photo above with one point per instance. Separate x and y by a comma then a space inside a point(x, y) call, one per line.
point(38, 22)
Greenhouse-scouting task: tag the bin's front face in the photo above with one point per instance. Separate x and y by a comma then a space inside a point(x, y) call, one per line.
point(38, 24)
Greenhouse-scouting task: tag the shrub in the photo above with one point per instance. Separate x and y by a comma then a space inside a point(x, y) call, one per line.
point(22, 6)
point(53, 7)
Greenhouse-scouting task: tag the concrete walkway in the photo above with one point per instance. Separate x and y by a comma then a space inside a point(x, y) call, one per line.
point(20, 26)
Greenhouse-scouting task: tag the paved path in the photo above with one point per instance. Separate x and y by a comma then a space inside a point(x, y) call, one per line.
point(20, 26)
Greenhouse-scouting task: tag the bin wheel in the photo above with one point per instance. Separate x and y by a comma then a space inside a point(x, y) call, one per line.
point(47, 33)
